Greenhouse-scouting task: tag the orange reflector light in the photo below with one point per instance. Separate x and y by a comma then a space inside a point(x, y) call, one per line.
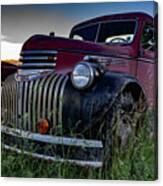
point(43, 126)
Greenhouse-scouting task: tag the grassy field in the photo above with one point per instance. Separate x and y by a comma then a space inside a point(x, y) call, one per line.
point(139, 164)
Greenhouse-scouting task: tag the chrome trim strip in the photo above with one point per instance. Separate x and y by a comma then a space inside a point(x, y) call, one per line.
point(30, 74)
point(61, 100)
point(146, 60)
point(26, 58)
point(95, 164)
point(32, 71)
point(35, 64)
point(52, 139)
point(38, 52)
point(56, 100)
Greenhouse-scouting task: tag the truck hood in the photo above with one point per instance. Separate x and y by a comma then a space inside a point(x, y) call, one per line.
point(42, 42)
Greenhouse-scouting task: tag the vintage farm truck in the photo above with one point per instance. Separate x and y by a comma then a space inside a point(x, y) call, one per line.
point(74, 99)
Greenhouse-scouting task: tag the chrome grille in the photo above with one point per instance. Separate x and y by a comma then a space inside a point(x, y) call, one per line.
point(9, 99)
point(38, 59)
point(25, 102)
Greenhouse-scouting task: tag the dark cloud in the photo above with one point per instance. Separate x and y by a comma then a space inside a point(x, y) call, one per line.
point(21, 21)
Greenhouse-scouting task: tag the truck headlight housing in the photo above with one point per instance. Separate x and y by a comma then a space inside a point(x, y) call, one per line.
point(83, 75)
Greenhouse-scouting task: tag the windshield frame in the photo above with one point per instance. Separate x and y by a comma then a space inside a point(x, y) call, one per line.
point(85, 26)
point(105, 22)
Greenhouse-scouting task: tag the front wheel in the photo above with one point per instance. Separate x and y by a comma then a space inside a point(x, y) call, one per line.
point(123, 123)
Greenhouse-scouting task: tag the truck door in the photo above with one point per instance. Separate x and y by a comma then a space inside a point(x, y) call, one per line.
point(147, 62)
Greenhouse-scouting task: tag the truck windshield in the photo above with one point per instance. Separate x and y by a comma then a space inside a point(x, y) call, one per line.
point(87, 33)
point(111, 32)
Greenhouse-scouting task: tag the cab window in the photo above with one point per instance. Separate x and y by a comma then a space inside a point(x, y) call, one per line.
point(117, 32)
point(147, 40)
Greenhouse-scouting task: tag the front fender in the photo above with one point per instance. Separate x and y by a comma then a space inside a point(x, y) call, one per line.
point(80, 107)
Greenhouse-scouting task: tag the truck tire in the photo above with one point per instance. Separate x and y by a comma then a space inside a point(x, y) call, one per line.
point(123, 122)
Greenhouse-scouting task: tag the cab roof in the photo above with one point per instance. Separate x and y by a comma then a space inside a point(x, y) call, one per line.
point(133, 15)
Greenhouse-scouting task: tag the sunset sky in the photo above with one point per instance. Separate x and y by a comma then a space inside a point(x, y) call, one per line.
point(19, 22)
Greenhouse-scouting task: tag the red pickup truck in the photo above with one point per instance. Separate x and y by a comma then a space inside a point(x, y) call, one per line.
point(81, 94)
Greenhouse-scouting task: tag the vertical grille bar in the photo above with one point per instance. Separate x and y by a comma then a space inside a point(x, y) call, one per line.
point(20, 101)
point(51, 109)
point(56, 99)
point(25, 114)
point(13, 103)
point(29, 125)
point(45, 95)
point(4, 106)
point(39, 97)
point(8, 103)
point(16, 107)
point(35, 102)
point(61, 100)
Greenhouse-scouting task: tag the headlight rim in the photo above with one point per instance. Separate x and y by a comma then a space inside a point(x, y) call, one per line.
point(91, 78)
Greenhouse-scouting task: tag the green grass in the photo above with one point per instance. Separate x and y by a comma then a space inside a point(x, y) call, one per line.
point(139, 164)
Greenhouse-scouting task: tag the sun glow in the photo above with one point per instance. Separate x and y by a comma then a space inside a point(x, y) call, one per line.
point(10, 50)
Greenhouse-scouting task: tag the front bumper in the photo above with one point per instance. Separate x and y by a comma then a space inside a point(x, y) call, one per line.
point(77, 151)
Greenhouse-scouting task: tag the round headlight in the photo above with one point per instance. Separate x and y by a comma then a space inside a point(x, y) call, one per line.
point(82, 75)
